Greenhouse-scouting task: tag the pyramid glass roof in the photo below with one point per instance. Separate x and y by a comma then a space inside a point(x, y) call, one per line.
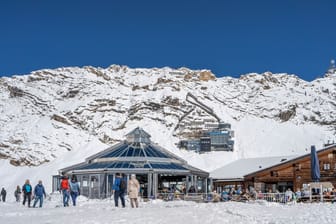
point(136, 154)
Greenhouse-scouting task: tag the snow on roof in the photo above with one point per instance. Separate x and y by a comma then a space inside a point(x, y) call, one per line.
point(239, 168)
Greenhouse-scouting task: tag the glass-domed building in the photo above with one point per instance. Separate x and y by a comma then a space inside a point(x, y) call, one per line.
point(156, 168)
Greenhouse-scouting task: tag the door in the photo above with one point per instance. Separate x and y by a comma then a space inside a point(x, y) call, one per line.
point(94, 186)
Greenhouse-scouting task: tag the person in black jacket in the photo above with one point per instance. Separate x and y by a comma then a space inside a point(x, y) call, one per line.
point(3, 194)
point(27, 192)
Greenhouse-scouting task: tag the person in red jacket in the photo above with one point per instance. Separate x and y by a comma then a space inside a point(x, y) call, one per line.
point(65, 189)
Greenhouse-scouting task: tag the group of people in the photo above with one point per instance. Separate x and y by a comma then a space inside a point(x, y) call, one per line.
point(234, 194)
point(38, 193)
point(121, 187)
point(28, 193)
point(69, 189)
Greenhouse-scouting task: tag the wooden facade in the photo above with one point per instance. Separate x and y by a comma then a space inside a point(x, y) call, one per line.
point(294, 173)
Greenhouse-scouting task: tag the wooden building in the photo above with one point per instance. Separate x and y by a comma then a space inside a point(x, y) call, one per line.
point(294, 173)
point(232, 174)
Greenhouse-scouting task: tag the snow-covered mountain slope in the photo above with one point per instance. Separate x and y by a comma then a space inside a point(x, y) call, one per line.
point(53, 116)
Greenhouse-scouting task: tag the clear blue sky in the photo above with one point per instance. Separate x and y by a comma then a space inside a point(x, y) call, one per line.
point(228, 37)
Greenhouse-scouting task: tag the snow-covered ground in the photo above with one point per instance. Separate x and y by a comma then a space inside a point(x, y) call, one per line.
point(99, 212)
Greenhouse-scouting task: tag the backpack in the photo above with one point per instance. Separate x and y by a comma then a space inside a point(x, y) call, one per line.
point(123, 185)
point(65, 184)
point(28, 188)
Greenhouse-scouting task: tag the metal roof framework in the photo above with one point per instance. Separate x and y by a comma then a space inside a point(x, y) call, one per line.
point(140, 156)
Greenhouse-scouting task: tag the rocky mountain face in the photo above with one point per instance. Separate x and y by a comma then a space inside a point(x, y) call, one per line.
point(50, 112)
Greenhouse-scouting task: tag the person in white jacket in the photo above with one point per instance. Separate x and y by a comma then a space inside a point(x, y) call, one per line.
point(289, 195)
point(133, 191)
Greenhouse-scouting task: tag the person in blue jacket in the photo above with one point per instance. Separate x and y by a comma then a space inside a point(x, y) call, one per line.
point(39, 192)
point(74, 190)
point(118, 189)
